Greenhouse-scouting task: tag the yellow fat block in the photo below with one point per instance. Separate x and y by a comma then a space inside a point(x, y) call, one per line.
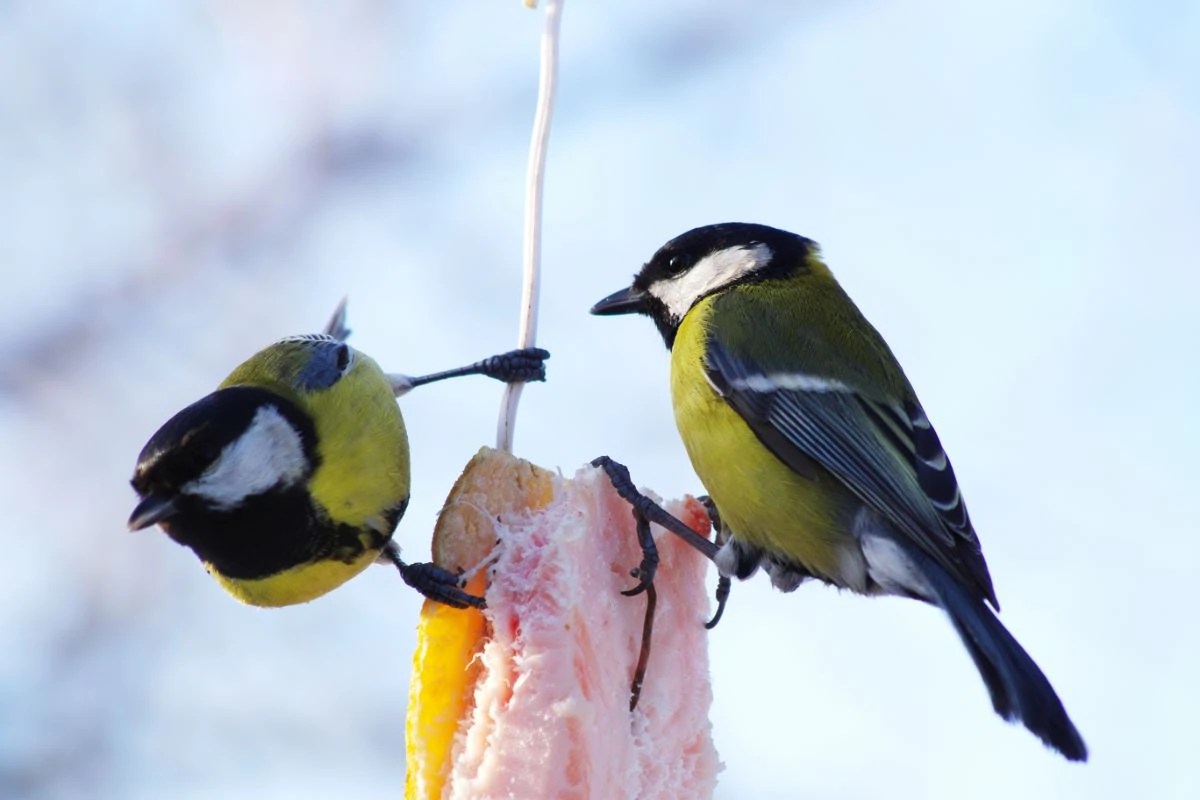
point(445, 667)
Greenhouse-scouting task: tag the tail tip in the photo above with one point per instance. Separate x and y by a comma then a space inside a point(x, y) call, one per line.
point(1072, 747)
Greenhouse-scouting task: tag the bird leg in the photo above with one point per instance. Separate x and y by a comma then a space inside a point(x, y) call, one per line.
point(724, 582)
point(644, 572)
point(639, 671)
point(645, 511)
point(516, 366)
point(434, 582)
point(618, 474)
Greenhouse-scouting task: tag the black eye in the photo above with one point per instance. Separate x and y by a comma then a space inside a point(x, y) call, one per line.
point(675, 264)
point(343, 358)
point(205, 457)
point(200, 448)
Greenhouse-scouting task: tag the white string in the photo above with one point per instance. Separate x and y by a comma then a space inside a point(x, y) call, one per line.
point(534, 181)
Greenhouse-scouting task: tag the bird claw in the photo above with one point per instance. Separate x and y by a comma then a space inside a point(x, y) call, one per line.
point(440, 585)
point(724, 585)
point(434, 582)
point(643, 584)
point(646, 511)
point(618, 475)
point(642, 508)
point(714, 517)
point(516, 366)
point(724, 582)
point(639, 669)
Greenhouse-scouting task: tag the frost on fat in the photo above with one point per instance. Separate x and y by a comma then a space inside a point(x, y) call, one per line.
point(549, 713)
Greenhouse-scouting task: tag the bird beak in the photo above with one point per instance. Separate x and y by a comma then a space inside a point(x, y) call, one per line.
point(626, 301)
point(151, 510)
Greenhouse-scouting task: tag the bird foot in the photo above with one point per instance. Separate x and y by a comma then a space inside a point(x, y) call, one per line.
point(434, 582)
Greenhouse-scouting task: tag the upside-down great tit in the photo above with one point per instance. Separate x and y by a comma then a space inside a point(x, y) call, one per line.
point(291, 477)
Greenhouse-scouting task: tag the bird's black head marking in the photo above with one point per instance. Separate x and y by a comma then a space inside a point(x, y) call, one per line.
point(686, 250)
point(704, 261)
point(192, 441)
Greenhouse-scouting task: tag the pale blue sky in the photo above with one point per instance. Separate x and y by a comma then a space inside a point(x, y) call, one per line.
point(1009, 190)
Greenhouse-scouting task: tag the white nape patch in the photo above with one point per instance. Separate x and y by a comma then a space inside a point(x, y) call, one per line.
point(708, 274)
point(269, 453)
point(891, 569)
point(789, 381)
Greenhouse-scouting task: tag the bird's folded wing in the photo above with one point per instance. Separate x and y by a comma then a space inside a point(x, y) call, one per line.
point(889, 456)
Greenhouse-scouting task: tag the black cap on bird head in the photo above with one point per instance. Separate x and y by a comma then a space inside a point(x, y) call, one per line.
point(703, 261)
point(207, 459)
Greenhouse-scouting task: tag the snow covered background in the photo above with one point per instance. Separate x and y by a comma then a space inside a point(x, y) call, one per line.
point(1009, 190)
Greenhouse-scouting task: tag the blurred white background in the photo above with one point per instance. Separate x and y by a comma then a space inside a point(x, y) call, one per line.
point(1009, 190)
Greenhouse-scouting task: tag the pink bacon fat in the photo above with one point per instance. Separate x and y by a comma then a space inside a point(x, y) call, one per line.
point(548, 714)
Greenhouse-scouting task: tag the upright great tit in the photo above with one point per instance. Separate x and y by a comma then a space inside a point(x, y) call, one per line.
point(812, 444)
point(291, 478)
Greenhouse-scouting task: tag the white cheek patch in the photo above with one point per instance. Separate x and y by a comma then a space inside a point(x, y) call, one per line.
point(708, 274)
point(269, 454)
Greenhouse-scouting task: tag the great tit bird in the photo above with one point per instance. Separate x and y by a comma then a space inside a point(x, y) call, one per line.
point(290, 478)
point(811, 442)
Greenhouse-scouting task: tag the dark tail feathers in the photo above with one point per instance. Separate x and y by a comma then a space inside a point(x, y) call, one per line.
point(1019, 689)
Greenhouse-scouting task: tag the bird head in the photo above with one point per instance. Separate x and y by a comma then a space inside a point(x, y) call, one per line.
point(249, 438)
point(702, 262)
point(210, 458)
